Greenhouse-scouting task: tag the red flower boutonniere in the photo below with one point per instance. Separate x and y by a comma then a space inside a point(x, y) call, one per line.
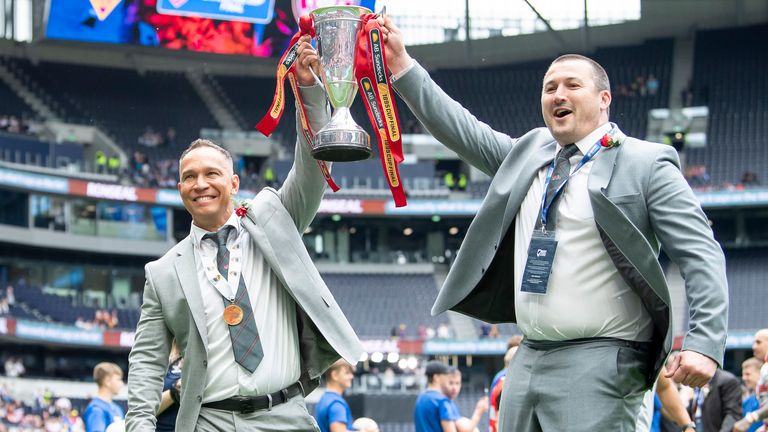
point(242, 209)
point(606, 141)
point(611, 139)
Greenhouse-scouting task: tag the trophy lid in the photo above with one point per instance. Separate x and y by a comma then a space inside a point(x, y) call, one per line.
point(339, 12)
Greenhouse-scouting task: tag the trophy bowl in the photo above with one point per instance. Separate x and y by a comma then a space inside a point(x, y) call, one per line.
point(336, 29)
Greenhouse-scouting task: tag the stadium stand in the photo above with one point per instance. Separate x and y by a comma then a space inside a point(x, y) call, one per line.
point(90, 95)
point(166, 99)
point(746, 283)
point(515, 88)
point(12, 104)
point(252, 97)
point(374, 304)
point(60, 309)
point(365, 180)
point(729, 77)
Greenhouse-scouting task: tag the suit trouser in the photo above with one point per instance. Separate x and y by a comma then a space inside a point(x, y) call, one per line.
point(291, 416)
point(590, 386)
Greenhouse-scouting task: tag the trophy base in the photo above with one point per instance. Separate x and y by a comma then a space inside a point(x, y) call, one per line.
point(342, 145)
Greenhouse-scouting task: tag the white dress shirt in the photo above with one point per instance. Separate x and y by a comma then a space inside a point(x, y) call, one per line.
point(274, 310)
point(586, 296)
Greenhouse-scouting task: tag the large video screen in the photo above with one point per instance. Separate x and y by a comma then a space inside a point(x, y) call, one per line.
point(259, 28)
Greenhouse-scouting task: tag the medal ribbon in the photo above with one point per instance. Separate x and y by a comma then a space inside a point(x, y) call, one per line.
point(287, 68)
point(371, 75)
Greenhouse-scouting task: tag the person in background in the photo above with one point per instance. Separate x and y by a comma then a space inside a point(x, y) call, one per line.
point(497, 385)
point(102, 411)
point(512, 342)
point(14, 368)
point(716, 406)
point(433, 411)
point(453, 388)
point(332, 411)
point(750, 373)
point(667, 401)
point(760, 350)
point(171, 397)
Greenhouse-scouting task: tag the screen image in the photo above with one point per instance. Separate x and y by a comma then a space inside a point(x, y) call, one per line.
point(260, 28)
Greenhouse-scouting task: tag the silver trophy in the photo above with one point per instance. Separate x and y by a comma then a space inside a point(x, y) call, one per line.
point(336, 29)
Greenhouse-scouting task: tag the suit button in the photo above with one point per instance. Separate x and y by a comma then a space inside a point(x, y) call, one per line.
point(205, 363)
point(495, 246)
point(482, 270)
point(199, 398)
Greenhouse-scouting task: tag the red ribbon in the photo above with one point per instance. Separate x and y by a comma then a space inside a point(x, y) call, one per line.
point(371, 75)
point(287, 68)
point(268, 124)
point(372, 79)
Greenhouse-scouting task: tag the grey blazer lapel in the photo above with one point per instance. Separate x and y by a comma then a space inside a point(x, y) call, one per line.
point(602, 170)
point(527, 172)
point(187, 274)
point(619, 229)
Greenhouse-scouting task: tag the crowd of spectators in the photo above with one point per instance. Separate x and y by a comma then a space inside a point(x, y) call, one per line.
point(164, 173)
point(153, 138)
point(442, 331)
point(102, 319)
point(489, 331)
point(142, 172)
point(7, 299)
point(14, 367)
point(47, 413)
point(16, 125)
point(642, 86)
point(700, 181)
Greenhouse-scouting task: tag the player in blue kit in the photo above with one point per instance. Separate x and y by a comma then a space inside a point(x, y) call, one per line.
point(332, 411)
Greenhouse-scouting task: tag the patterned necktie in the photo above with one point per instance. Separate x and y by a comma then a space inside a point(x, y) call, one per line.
point(559, 176)
point(246, 343)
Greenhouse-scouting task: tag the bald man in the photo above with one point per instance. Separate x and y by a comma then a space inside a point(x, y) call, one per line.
point(760, 350)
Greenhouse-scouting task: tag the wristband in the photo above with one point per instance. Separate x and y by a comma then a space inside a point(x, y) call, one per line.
point(689, 425)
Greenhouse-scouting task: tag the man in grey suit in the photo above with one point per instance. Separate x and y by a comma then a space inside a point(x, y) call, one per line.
point(251, 315)
point(566, 245)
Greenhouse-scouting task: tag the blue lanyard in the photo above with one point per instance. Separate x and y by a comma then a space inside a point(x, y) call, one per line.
point(544, 207)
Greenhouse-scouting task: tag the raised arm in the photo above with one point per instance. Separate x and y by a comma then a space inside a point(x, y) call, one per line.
point(303, 188)
point(470, 424)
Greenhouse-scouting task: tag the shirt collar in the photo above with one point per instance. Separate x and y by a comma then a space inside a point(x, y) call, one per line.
point(588, 141)
point(198, 233)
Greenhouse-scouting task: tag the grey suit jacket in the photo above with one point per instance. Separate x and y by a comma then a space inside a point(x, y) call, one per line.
point(640, 201)
point(173, 305)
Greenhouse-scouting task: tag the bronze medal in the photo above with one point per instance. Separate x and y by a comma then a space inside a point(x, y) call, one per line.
point(233, 314)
